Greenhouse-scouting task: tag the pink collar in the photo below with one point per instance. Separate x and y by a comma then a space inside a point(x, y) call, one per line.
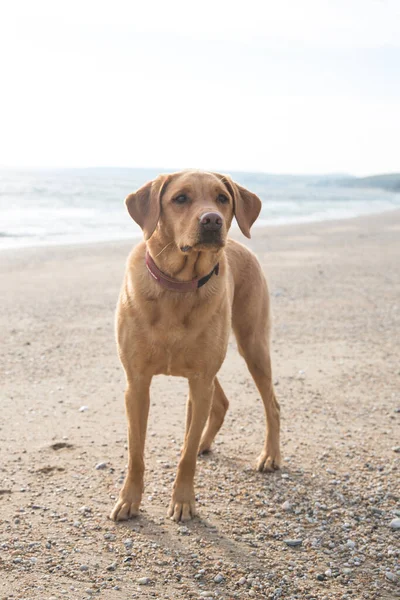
point(174, 284)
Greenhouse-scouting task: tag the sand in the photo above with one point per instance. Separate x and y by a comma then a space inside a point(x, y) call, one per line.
point(335, 289)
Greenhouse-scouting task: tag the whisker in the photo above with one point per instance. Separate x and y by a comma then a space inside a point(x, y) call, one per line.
point(163, 249)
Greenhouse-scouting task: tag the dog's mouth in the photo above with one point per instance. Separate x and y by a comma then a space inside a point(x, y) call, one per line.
point(204, 245)
point(207, 240)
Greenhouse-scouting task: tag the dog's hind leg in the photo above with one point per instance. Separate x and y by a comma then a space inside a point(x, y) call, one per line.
point(251, 328)
point(256, 355)
point(219, 407)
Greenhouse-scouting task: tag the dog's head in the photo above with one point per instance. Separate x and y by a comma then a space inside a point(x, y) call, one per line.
point(193, 209)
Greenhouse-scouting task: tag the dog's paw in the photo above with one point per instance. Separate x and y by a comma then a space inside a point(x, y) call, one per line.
point(182, 506)
point(124, 510)
point(268, 462)
point(204, 448)
point(181, 511)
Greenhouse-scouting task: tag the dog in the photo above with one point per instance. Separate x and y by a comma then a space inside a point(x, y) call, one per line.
point(186, 285)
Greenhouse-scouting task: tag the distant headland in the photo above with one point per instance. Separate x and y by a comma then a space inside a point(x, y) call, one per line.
point(389, 182)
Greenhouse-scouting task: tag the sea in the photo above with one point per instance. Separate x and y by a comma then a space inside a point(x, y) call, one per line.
point(43, 207)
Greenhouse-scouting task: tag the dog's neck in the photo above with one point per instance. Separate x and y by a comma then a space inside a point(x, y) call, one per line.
point(182, 266)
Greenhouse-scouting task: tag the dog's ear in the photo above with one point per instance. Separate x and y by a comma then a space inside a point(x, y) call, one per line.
point(144, 205)
point(246, 206)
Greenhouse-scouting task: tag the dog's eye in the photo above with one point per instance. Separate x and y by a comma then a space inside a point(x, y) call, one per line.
point(181, 199)
point(222, 199)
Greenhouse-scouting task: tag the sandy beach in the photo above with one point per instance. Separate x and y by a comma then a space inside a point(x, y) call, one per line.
point(321, 528)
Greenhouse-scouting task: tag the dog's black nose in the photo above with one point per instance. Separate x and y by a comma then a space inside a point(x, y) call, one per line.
point(211, 221)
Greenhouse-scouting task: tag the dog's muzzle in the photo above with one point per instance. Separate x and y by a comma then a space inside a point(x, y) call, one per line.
point(210, 228)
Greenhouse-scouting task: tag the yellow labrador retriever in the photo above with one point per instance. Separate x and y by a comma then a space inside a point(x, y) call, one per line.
point(184, 287)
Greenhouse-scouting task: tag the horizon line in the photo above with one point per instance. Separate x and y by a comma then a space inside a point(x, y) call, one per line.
point(177, 169)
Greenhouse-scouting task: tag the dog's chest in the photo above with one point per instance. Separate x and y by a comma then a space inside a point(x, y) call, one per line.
point(182, 341)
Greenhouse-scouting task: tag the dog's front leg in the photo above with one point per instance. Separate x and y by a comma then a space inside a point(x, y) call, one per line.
point(182, 507)
point(137, 400)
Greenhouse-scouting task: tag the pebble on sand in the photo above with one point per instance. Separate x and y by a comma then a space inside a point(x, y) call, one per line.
point(395, 524)
point(101, 465)
point(184, 530)
point(293, 542)
point(143, 580)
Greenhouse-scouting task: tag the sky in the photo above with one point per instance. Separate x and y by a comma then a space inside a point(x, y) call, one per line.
point(284, 86)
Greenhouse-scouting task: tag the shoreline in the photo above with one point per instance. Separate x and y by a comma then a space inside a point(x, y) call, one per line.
point(257, 230)
point(138, 236)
